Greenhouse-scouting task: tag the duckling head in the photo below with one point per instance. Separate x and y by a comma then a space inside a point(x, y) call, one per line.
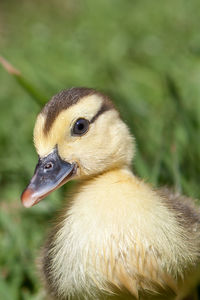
point(78, 134)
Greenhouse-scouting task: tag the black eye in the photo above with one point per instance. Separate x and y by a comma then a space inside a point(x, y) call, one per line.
point(81, 126)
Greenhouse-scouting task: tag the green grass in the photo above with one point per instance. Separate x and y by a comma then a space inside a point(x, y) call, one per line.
point(144, 54)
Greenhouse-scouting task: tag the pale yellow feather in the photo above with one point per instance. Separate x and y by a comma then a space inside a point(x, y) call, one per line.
point(118, 233)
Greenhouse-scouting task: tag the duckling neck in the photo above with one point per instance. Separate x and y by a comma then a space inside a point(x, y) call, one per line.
point(105, 192)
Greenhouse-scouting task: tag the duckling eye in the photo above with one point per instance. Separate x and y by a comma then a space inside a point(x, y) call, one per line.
point(81, 126)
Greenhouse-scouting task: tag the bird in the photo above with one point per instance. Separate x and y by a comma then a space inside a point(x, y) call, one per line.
point(117, 238)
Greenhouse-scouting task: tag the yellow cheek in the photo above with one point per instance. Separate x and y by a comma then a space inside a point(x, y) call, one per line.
point(66, 152)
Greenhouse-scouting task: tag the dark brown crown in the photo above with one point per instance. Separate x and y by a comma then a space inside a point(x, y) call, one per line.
point(67, 98)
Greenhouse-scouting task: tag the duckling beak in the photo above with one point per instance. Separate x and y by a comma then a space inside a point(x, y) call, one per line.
point(50, 173)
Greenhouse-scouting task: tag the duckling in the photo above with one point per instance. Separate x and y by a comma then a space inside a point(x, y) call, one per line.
point(119, 238)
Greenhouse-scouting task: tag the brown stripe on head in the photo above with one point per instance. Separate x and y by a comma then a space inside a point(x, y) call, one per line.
point(67, 98)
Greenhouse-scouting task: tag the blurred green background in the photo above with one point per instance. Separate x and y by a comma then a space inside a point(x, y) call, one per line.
point(144, 54)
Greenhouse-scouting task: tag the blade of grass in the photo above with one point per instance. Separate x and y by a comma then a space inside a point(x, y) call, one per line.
point(23, 82)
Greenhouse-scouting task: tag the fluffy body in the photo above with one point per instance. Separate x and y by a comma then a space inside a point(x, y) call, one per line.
point(118, 239)
point(119, 234)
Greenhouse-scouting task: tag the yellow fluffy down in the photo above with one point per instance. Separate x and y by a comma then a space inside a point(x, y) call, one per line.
point(119, 239)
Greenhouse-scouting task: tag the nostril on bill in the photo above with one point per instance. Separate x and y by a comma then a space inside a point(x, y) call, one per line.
point(48, 166)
